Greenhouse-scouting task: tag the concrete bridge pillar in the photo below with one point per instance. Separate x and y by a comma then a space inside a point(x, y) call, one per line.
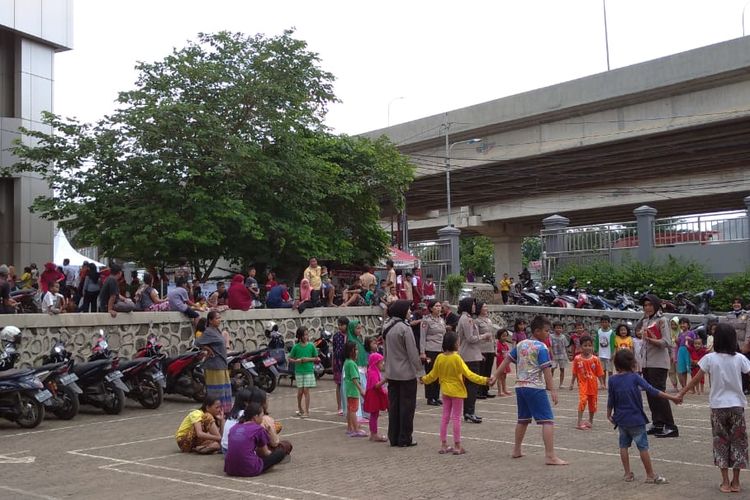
point(508, 257)
point(645, 216)
point(746, 199)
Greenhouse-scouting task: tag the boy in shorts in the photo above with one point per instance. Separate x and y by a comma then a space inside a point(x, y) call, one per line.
point(586, 370)
point(559, 350)
point(533, 380)
point(604, 344)
point(625, 411)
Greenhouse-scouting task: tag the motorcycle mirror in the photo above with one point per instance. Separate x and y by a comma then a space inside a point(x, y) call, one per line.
point(554, 287)
point(670, 293)
point(601, 291)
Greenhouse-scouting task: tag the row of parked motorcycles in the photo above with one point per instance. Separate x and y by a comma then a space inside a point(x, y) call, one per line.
point(60, 384)
point(573, 296)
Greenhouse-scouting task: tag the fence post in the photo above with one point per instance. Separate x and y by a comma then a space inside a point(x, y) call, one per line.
point(554, 231)
point(645, 216)
point(746, 230)
point(451, 234)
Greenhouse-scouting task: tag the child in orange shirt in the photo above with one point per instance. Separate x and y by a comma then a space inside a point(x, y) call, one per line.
point(587, 369)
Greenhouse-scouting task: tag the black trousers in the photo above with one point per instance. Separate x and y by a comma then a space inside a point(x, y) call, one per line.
point(431, 391)
point(471, 388)
point(402, 402)
point(275, 457)
point(661, 411)
point(89, 301)
point(505, 297)
point(486, 370)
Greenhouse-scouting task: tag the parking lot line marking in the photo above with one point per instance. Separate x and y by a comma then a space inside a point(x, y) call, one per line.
point(27, 493)
point(119, 462)
point(126, 443)
point(194, 483)
point(314, 430)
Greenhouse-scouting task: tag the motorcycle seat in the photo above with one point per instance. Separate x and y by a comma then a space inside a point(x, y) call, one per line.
point(125, 364)
point(48, 366)
point(15, 373)
point(84, 368)
point(172, 359)
point(234, 354)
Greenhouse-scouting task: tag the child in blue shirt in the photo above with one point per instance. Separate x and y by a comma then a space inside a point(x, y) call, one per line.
point(533, 380)
point(625, 411)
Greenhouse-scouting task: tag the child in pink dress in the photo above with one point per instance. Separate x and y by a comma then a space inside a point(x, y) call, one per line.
point(376, 396)
point(503, 348)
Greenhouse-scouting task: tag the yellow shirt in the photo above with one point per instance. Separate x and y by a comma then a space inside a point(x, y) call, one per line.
point(313, 276)
point(505, 285)
point(451, 370)
point(623, 342)
point(192, 418)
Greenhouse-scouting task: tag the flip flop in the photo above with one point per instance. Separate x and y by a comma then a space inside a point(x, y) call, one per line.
point(724, 490)
point(734, 489)
point(445, 451)
point(656, 480)
point(582, 427)
point(459, 452)
point(629, 477)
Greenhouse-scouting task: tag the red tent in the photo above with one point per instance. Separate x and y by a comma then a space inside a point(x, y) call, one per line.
point(402, 259)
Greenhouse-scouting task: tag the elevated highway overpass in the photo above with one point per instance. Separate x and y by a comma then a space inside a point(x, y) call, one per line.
point(673, 133)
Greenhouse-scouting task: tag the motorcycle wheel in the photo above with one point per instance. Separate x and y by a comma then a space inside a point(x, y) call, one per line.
point(69, 404)
point(32, 412)
point(266, 381)
point(151, 395)
point(199, 382)
point(242, 380)
point(114, 399)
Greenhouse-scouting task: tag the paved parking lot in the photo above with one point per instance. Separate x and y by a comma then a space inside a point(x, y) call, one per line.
point(134, 455)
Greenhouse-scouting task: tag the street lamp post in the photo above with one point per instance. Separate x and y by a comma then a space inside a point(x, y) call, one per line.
point(448, 148)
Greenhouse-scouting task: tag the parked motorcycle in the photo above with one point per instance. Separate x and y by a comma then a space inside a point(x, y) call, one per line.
point(142, 376)
point(277, 350)
point(56, 376)
point(242, 372)
point(22, 394)
point(102, 385)
point(184, 373)
point(27, 301)
point(323, 345)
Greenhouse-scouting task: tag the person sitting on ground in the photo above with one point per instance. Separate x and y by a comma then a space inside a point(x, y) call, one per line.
point(247, 447)
point(179, 301)
point(272, 427)
point(217, 301)
point(200, 431)
point(241, 400)
point(278, 297)
point(53, 302)
point(239, 297)
point(147, 298)
point(353, 294)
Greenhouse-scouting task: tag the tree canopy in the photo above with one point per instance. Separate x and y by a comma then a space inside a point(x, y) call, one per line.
point(219, 151)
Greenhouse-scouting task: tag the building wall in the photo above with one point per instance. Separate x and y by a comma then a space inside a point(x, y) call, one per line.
point(31, 32)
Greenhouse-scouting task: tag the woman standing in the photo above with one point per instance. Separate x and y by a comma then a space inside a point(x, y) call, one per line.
point(469, 350)
point(430, 345)
point(486, 346)
point(90, 289)
point(657, 344)
point(217, 373)
point(402, 368)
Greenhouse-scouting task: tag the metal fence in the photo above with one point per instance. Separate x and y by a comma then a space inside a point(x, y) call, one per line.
point(435, 259)
point(719, 227)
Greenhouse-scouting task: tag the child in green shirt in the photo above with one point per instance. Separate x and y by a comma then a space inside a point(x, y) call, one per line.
point(303, 355)
point(352, 391)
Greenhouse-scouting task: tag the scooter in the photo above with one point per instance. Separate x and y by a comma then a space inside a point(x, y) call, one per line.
point(277, 350)
point(242, 372)
point(142, 376)
point(102, 385)
point(22, 394)
point(323, 345)
point(27, 301)
point(184, 373)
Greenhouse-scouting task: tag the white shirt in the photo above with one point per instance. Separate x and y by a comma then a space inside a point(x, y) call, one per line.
point(726, 379)
point(604, 347)
point(230, 422)
point(638, 351)
point(70, 276)
point(51, 300)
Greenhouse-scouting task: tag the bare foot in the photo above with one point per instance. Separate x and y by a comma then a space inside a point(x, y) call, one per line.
point(555, 461)
point(517, 454)
point(725, 488)
point(735, 488)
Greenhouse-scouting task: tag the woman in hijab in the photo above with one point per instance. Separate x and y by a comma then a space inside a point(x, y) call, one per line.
point(238, 296)
point(402, 369)
point(355, 333)
point(430, 345)
point(469, 342)
point(657, 343)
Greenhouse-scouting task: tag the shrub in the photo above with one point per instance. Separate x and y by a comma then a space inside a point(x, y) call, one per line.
point(453, 285)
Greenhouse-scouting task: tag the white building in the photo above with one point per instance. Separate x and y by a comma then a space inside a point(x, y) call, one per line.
point(31, 32)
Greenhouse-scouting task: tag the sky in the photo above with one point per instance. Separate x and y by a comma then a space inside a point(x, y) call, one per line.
point(394, 61)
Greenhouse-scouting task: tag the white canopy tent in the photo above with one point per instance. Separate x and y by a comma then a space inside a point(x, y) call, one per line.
point(64, 250)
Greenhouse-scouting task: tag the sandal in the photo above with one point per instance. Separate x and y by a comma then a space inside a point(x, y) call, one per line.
point(445, 451)
point(629, 477)
point(459, 451)
point(656, 480)
point(582, 427)
point(725, 489)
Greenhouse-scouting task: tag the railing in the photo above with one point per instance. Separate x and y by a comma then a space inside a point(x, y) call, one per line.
point(701, 229)
point(435, 259)
point(599, 238)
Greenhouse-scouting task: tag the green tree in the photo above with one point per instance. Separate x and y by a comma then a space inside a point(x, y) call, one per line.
point(531, 249)
point(477, 253)
point(220, 150)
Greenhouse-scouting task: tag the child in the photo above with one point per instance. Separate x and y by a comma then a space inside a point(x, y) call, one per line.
point(451, 370)
point(503, 348)
point(352, 390)
point(625, 411)
point(623, 340)
point(559, 350)
point(638, 347)
point(575, 337)
point(684, 340)
point(429, 288)
point(247, 451)
point(697, 351)
point(337, 362)
point(725, 367)
point(376, 397)
point(519, 331)
point(200, 431)
point(533, 379)
point(603, 345)
point(370, 295)
point(53, 302)
point(586, 369)
point(241, 400)
point(303, 355)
